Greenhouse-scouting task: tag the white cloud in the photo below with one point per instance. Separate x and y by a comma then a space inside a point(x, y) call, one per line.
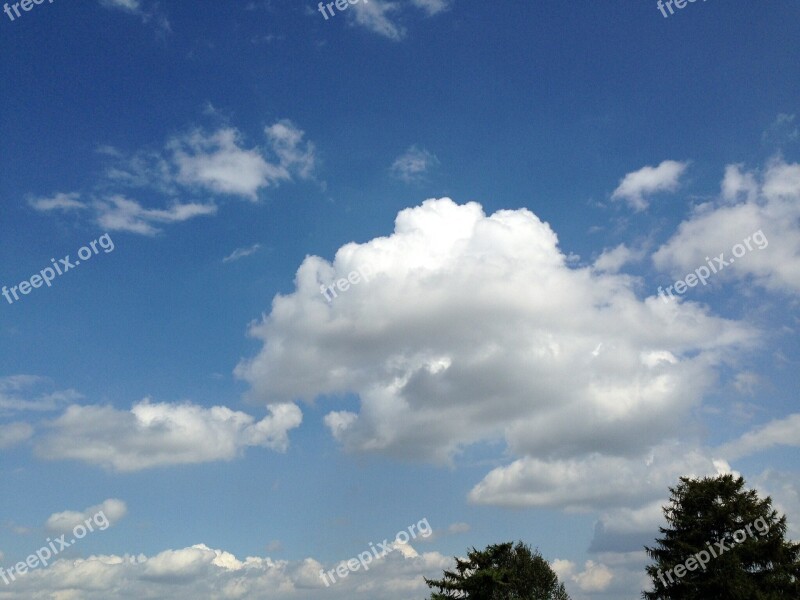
point(628, 529)
point(595, 577)
point(202, 572)
point(161, 434)
point(241, 253)
point(526, 370)
point(413, 164)
point(612, 261)
point(649, 180)
point(783, 488)
point(594, 481)
point(60, 201)
point(374, 15)
point(12, 434)
point(750, 203)
point(295, 155)
point(198, 162)
point(779, 432)
point(63, 522)
point(218, 163)
point(118, 213)
point(380, 16)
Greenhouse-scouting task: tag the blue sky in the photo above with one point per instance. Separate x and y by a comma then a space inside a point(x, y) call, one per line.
point(513, 181)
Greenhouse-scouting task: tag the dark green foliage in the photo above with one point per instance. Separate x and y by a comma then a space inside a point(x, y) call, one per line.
point(501, 572)
point(765, 566)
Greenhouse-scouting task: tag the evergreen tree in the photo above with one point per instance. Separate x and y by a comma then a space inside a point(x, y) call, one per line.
point(722, 543)
point(501, 572)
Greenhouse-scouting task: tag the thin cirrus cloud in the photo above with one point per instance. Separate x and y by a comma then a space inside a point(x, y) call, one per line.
point(162, 434)
point(413, 164)
point(216, 163)
point(240, 253)
point(635, 187)
point(60, 201)
point(381, 16)
point(432, 7)
point(31, 393)
point(121, 214)
point(12, 434)
point(149, 14)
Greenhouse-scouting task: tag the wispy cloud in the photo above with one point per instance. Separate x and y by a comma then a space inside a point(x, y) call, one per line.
point(381, 16)
point(149, 14)
point(432, 7)
point(197, 162)
point(412, 165)
point(59, 201)
point(121, 214)
point(779, 432)
point(241, 253)
point(375, 16)
point(12, 434)
point(30, 393)
point(783, 130)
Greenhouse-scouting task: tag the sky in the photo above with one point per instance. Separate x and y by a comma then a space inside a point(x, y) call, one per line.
point(283, 282)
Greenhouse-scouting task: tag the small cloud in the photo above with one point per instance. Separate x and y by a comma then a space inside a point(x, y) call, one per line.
point(649, 180)
point(595, 577)
point(220, 163)
point(13, 434)
point(17, 529)
point(432, 7)
point(132, 6)
point(380, 16)
point(611, 261)
point(122, 214)
point(275, 546)
point(151, 14)
point(457, 528)
point(295, 155)
point(60, 201)
point(241, 253)
point(782, 131)
point(63, 522)
point(412, 165)
point(30, 393)
point(746, 382)
point(374, 15)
